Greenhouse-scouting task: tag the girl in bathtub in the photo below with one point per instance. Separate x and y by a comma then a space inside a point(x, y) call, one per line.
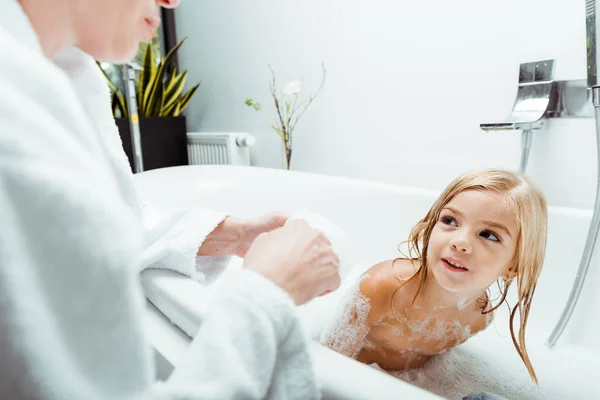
point(487, 226)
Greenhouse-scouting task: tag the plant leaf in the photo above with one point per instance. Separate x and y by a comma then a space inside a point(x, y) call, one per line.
point(174, 89)
point(147, 74)
point(158, 104)
point(177, 109)
point(157, 82)
point(183, 103)
point(114, 104)
point(168, 111)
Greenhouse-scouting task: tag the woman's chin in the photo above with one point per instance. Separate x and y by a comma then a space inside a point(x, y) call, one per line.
point(118, 54)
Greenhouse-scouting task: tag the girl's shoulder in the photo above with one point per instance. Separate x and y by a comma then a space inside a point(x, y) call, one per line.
point(379, 282)
point(387, 274)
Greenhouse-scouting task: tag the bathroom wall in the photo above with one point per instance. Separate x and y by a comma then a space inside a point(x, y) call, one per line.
point(407, 85)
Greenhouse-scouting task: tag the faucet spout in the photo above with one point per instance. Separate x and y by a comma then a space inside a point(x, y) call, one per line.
point(533, 98)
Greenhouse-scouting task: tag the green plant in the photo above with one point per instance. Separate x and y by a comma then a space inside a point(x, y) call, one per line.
point(159, 92)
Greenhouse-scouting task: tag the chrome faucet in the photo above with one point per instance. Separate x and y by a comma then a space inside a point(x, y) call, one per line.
point(534, 95)
point(533, 98)
point(540, 98)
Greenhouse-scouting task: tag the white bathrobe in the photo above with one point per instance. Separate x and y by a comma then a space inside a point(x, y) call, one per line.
point(73, 238)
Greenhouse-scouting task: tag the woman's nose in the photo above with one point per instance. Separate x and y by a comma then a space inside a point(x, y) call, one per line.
point(461, 243)
point(168, 3)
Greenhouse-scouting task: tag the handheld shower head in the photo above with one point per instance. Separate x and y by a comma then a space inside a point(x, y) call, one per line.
point(592, 40)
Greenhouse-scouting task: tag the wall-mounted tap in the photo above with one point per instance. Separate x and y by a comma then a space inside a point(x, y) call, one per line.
point(539, 98)
point(534, 95)
point(533, 98)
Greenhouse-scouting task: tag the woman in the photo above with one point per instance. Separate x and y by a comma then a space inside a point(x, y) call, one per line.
point(74, 235)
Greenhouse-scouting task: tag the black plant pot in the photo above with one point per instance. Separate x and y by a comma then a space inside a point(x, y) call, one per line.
point(164, 141)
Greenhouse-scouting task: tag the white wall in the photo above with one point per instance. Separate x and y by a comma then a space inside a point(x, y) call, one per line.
point(408, 84)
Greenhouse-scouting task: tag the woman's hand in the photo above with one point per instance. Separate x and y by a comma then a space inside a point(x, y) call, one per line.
point(250, 229)
point(297, 258)
point(234, 236)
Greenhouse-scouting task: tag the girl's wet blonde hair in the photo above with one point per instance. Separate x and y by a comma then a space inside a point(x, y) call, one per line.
point(530, 210)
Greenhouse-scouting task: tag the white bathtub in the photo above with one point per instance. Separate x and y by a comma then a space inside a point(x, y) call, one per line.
point(377, 217)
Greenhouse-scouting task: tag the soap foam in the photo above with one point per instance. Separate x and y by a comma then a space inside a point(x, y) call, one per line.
point(435, 328)
point(490, 363)
point(346, 338)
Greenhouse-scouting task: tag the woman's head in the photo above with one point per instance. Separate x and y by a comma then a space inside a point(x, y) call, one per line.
point(486, 226)
point(108, 30)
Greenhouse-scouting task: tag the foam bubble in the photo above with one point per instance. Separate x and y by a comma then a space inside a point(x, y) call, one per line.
point(348, 325)
point(436, 328)
point(490, 363)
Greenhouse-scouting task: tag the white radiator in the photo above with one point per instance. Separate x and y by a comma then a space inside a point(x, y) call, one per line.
point(219, 148)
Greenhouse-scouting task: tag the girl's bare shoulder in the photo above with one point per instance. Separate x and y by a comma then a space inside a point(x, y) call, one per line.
point(379, 282)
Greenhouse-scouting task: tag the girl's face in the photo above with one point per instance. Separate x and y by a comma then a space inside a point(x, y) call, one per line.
point(473, 242)
point(110, 30)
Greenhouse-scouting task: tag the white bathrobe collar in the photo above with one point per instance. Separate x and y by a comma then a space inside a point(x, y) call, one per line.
point(16, 23)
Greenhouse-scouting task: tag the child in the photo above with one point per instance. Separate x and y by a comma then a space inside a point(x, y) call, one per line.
point(486, 226)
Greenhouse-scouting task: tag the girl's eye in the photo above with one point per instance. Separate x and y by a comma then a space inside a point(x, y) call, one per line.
point(490, 235)
point(447, 220)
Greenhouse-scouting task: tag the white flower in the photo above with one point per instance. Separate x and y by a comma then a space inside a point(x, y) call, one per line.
point(292, 88)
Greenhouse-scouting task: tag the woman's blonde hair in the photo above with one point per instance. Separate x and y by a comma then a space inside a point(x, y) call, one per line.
point(530, 210)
